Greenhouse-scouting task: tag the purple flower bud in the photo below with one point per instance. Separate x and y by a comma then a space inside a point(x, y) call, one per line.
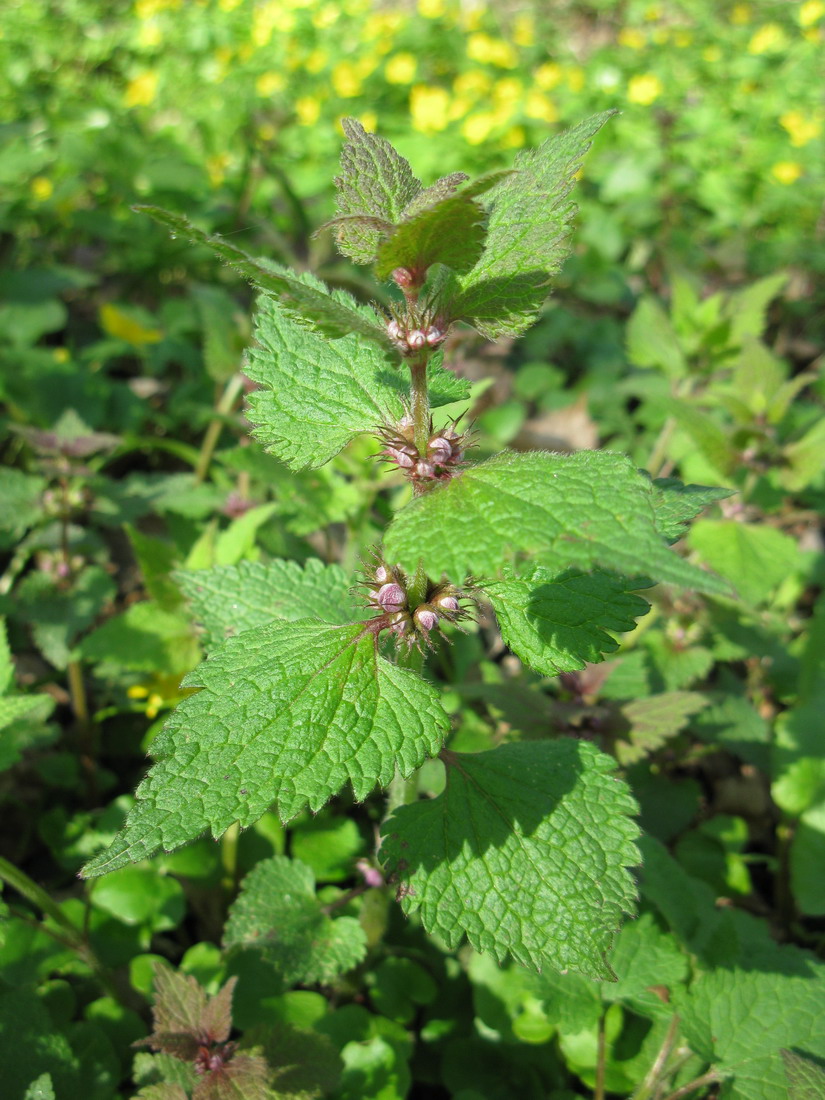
point(440, 450)
point(394, 330)
point(424, 470)
point(402, 276)
point(382, 574)
point(447, 603)
point(402, 623)
point(399, 457)
point(434, 336)
point(425, 619)
point(416, 339)
point(391, 597)
point(372, 876)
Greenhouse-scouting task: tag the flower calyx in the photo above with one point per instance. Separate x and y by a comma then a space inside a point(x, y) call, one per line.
point(414, 330)
point(440, 461)
point(388, 594)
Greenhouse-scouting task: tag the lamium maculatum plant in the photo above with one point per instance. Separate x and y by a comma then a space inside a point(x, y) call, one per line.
point(529, 850)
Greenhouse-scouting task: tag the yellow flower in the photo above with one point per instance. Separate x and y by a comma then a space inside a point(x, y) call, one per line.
point(514, 138)
point(428, 108)
point(269, 83)
point(145, 9)
point(431, 9)
point(508, 90)
point(229, 5)
point(491, 51)
point(801, 129)
point(539, 106)
point(787, 171)
point(316, 61)
point(473, 83)
point(460, 106)
point(644, 89)
point(346, 80)
point(41, 188)
point(137, 691)
point(548, 75)
point(811, 12)
point(477, 128)
point(400, 69)
point(325, 17)
point(741, 15)
point(369, 120)
point(632, 38)
point(524, 31)
point(308, 110)
point(574, 78)
point(142, 89)
point(768, 39)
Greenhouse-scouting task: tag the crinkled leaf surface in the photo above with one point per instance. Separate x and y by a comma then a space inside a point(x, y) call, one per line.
point(739, 1018)
point(318, 394)
point(435, 193)
point(185, 1017)
point(304, 1064)
point(229, 599)
point(653, 720)
point(286, 715)
point(806, 1078)
point(303, 297)
point(529, 222)
point(581, 510)
point(375, 181)
point(646, 958)
point(278, 914)
point(557, 622)
point(526, 852)
point(450, 232)
point(677, 504)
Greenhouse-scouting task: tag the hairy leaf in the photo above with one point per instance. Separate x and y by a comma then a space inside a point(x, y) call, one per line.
point(526, 852)
point(754, 558)
point(527, 233)
point(375, 181)
point(557, 622)
point(739, 1017)
point(229, 599)
point(278, 914)
point(185, 1017)
point(806, 1078)
point(305, 298)
point(288, 713)
point(450, 232)
point(677, 504)
point(304, 1065)
point(317, 395)
point(435, 193)
point(581, 510)
point(653, 720)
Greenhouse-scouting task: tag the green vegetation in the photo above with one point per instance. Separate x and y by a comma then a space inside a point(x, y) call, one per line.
point(476, 639)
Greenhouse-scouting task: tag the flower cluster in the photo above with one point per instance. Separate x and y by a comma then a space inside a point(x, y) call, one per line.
point(387, 592)
point(440, 461)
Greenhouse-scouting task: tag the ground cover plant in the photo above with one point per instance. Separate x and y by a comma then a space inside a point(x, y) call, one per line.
point(477, 644)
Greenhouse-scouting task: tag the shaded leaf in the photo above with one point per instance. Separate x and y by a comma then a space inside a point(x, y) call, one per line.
point(806, 1077)
point(653, 720)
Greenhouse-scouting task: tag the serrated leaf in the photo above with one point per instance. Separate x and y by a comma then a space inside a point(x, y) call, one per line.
point(739, 1018)
point(278, 914)
point(334, 314)
point(652, 341)
point(376, 182)
point(581, 510)
point(712, 442)
point(435, 193)
point(288, 713)
point(185, 1017)
point(529, 222)
point(229, 599)
point(677, 504)
point(13, 707)
point(648, 962)
point(21, 502)
point(318, 394)
point(243, 1077)
point(756, 559)
point(304, 1064)
point(59, 615)
point(558, 622)
point(526, 852)
point(450, 232)
point(144, 638)
point(222, 344)
point(653, 720)
point(805, 1077)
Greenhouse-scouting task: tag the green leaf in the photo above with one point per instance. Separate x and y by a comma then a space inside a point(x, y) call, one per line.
point(451, 232)
point(145, 638)
point(739, 1017)
point(559, 622)
point(375, 182)
point(748, 307)
point(645, 956)
point(305, 298)
point(40, 1089)
point(651, 340)
point(527, 234)
point(710, 439)
point(222, 342)
point(185, 1017)
point(805, 1077)
point(229, 599)
point(526, 852)
point(653, 720)
point(303, 1064)
point(434, 194)
point(317, 395)
point(6, 663)
point(278, 915)
point(21, 497)
point(677, 504)
point(756, 559)
point(288, 713)
point(582, 510)
point(59, 615)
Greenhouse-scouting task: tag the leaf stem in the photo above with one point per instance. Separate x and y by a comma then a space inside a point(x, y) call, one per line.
point(601, 1059)
point(709, 1078)
point(651, 1082)
point(213, 432)
point(229, 858)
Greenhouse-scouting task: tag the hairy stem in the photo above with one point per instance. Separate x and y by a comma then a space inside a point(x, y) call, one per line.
point(420, 401)
point(601, 1060)
point(709, 1078)
point(650, 1085)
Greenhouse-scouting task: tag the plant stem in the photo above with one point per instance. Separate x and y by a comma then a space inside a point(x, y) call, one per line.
point(709, 1078)
point(213, 432)
point(85, 727)
point(229, 858)
point(420, 402)
point(601, 1060)
point(400, 792)
point(648, 1087)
